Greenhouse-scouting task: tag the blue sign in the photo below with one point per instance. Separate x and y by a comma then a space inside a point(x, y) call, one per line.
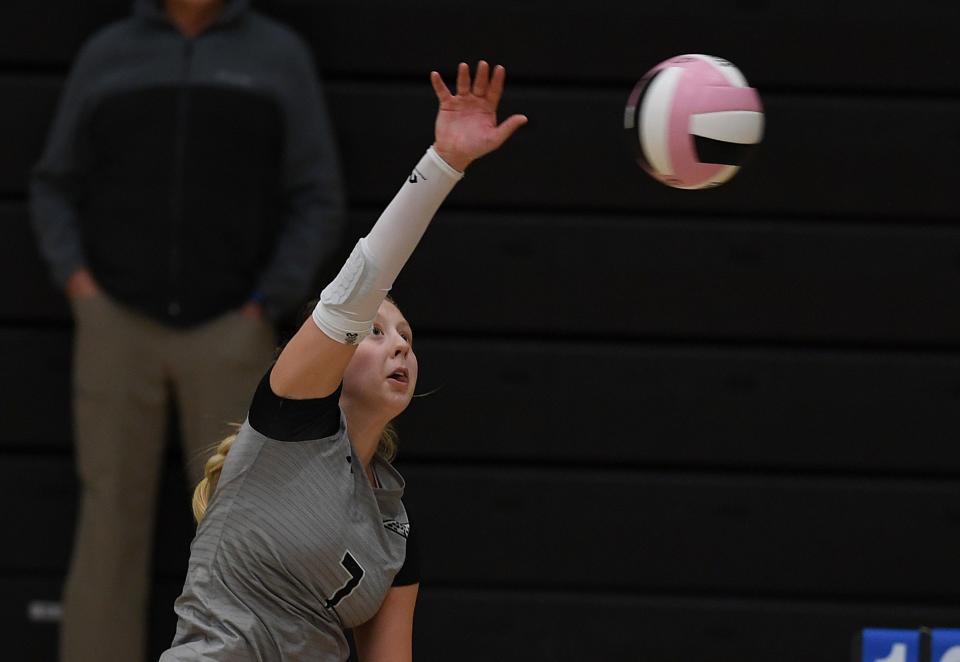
point(945, 645)
point(891, 645)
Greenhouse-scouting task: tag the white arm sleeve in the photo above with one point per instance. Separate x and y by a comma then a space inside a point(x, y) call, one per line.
point(348, 305)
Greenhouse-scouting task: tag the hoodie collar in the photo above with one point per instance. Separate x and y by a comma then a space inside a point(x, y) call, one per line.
point(153, 10)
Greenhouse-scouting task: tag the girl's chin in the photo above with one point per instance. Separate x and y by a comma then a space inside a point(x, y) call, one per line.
point(387, 403)
point(397, 398)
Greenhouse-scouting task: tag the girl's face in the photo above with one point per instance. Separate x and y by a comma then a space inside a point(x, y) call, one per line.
point(383, 372)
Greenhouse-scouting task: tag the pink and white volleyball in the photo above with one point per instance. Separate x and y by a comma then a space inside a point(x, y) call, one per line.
point(693, 120)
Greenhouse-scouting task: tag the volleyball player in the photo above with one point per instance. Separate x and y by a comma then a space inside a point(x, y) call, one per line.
point(305, 534)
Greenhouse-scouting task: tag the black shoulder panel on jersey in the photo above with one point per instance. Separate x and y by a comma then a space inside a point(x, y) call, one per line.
point(293, 420)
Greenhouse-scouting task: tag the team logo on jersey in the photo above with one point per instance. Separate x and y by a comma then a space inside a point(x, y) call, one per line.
point(400, 528)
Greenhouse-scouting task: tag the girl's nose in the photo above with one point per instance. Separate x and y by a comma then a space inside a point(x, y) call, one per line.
point(401, 346)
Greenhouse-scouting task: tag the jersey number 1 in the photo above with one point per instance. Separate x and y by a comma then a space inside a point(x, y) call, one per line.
point(356, 574)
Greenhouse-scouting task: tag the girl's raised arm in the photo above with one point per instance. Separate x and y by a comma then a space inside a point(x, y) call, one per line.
point(313, 362)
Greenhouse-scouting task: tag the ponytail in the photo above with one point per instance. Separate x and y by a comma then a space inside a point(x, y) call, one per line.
point(211, 474)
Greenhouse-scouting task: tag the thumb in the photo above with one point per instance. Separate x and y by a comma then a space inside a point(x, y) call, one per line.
point(508, 127)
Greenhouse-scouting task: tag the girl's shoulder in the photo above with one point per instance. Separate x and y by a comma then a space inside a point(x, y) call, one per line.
point(283, 419)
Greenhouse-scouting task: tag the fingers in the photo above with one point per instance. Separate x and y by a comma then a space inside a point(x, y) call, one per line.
point(484, 84)
point(443, 92)
point(463, 79)
point(508, 127)
point(482, 79)
point(495, 90)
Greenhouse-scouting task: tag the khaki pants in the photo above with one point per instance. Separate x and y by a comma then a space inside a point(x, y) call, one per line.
point(126, 366)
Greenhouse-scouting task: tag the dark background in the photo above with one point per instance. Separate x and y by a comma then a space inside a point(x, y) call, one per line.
point(670, 425)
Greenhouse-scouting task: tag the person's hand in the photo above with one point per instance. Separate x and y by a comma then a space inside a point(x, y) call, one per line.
point(466, 127)
point(81, 285)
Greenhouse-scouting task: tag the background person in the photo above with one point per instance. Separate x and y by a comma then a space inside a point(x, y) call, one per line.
point(188, 192)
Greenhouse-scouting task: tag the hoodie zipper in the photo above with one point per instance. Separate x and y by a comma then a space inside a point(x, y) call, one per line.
point(176, 197)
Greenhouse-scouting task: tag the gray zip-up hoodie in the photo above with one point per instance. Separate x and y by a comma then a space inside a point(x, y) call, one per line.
point(191, 175)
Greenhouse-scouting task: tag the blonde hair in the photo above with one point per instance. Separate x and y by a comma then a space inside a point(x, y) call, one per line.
point(387, 444)
point(205, 489)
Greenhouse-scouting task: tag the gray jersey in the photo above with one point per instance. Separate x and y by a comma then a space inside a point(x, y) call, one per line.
point(295, 546)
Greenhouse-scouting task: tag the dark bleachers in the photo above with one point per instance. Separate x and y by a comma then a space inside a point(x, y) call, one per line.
point(615, 277)
point(566, 403)
point(821, 156)
point(676, 552)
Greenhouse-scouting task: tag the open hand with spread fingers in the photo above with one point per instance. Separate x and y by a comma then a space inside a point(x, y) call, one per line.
point(466, 126)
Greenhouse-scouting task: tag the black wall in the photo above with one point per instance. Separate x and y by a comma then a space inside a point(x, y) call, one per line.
point(670, 425)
